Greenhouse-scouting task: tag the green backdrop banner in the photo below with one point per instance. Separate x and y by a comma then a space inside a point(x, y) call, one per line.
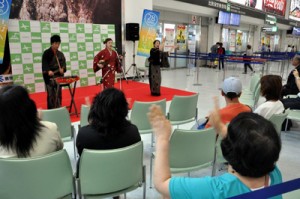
point(79, 43)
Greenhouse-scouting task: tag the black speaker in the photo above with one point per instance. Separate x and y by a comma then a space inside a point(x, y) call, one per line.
point(132, 31)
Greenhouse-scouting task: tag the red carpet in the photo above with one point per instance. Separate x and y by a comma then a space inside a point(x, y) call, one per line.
point(133, 91)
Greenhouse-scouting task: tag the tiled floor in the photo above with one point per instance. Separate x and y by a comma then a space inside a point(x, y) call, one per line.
point(210, 80)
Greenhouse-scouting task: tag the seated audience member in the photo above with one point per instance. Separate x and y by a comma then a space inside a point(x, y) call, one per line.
point(251, 146)
point(22, 134)
point(231, 91)
point(293, 103)
point(108, 128)
point(290, 88)
point(270, 89)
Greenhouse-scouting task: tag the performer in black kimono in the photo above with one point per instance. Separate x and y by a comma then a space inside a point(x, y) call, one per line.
point(53, 65)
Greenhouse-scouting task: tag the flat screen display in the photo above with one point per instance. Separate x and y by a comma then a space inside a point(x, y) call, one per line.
point(235, 19)
point(296, 31)
point(224, 18)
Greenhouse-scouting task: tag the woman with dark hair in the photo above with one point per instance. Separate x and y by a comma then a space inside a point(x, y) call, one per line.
point(22, 134)
point(251, 146)
point(108, 128)
point(271, 87)
point(107, 60)
point(154, 68)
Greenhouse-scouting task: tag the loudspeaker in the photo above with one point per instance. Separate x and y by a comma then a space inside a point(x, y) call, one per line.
point(132, 31)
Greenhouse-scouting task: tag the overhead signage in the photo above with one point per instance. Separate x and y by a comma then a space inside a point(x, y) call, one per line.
point(277, 7)
point(270, 29)
point(270, 19)
point(239, 7)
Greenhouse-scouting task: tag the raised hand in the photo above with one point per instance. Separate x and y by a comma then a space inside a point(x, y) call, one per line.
point(161, 126)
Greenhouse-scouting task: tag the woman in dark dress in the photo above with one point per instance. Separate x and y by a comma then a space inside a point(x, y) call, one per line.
point(154, 68)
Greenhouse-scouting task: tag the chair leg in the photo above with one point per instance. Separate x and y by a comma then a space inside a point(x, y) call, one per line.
point(152, 139)
point(286, 124)
point(214, 163)
point(151, 168)
point(144, 183)
point(75, 151)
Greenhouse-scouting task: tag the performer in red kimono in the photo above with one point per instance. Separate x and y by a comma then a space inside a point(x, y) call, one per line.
point(108, 61)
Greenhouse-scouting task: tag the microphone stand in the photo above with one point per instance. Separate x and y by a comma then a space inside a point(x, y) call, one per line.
point(123, 74)
point(101, 80)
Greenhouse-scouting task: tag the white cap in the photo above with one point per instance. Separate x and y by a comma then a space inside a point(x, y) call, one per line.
point(232, 85)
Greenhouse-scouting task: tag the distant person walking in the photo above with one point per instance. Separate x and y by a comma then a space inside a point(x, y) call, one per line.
point(247, 59)
point(221, 53)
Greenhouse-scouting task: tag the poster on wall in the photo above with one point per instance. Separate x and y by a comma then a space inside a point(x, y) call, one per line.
point(181, 37)
point(239, 40)
point(232, 40)
point(5, 67)
point(4, 16)
point(79, 43)
point(148, 32)
point(70, 11)
point(271, 6)
point(169, 35)
point(295, 10)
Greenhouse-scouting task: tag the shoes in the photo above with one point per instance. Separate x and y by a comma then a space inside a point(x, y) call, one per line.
point(155, 94)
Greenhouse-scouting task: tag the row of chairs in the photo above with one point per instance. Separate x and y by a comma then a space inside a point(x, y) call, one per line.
point(100, 174)
point(183, 109)
point(250, 97)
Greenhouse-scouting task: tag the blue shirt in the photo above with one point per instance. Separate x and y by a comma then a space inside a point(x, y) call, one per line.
point(224, 186)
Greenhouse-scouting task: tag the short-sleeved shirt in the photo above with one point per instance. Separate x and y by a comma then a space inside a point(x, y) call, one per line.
point(231, 111)
point(219, 187)
point(269, 108)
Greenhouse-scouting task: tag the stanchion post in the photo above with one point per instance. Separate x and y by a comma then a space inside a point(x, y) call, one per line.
point(197, 73)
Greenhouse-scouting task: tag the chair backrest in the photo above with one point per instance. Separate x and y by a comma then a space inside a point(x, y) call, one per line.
point(84, 115)
point(192, 148)
point(255, 79)
point(46, 177)
point(277, 120)
point(147, 63)
point(61, 117)
point(107, 171)
point(139, 116)
point(183, 108)
point(257, 94)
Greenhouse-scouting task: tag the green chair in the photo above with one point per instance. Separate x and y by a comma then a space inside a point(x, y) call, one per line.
point(144, 69)
point(84, 115)
point(292, 115)
point(255, 79)
point(277, 120)
point(139, 116)
point(251, 101)
point(61, 117)
point(218, 156)
point(190, 150)
point(107, 173)
point(292, 195)
point(183, 109)
point(46, 177)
